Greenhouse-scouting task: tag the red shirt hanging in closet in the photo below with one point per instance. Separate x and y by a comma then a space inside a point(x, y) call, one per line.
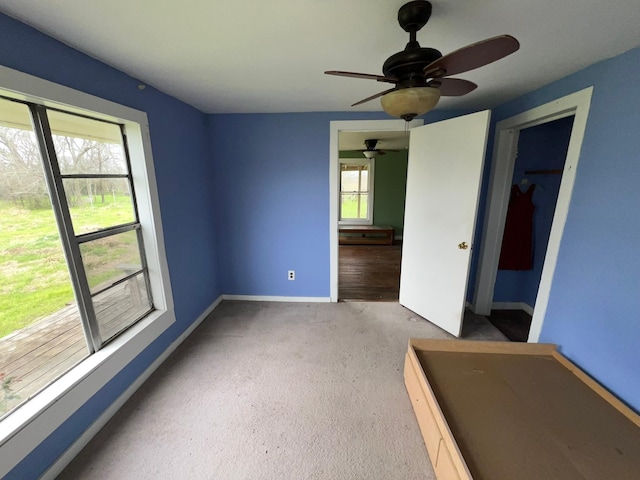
point(517, 241)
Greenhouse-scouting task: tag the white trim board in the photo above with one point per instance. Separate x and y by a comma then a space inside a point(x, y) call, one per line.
point(60, 464)
point(502, 166)
point(335, 127)
point(22, 86)
point(272, 298)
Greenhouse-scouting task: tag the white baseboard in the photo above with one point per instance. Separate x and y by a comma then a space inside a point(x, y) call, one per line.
point(59, 465)
point(269, 298)
point(512, 306)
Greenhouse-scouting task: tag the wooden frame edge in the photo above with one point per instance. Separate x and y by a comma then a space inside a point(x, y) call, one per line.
point(446, 434)
point(474, 346)
point(609, 397)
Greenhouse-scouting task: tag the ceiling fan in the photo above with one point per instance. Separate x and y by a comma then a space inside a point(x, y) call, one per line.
point(371, 151)
point(421, 75)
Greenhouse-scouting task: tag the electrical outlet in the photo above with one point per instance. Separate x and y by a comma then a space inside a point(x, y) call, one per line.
point(291, 275)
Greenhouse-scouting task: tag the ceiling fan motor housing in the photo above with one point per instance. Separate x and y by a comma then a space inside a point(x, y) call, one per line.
point(419, 75)
point(407, 66)
point(370, 144)
point(414, 15)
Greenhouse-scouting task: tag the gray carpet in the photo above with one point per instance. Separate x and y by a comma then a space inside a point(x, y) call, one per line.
point(276, 391)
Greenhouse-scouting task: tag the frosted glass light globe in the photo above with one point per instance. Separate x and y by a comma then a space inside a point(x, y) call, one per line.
point(408, 103)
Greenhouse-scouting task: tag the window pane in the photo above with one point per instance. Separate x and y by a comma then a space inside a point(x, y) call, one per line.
point(110, 259)
point(364, 182)
point(121, 305)
point(86, 146)
point(354, 191)
point(40, 329)
point(353, 206)
point(349, 181)
point(98, 203)
point(364, 202)
point(348, 205)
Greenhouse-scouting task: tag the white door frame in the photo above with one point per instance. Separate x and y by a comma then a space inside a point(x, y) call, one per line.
point(335, 128)
point(502, 166)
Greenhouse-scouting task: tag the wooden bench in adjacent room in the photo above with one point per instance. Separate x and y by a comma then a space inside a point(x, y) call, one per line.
point(365, 235)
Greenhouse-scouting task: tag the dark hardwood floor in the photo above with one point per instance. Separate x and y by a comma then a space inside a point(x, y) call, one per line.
point(369, 272)
point(372, 273)
point(515, 324)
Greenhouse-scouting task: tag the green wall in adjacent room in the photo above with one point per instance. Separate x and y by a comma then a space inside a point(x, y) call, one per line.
point(390, 183)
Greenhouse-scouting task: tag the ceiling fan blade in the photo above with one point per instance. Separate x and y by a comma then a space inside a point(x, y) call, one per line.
point(389, 150)
point(368, 76)
point(380, 152)
point(472, 56)
point(454, 87)
point(372, 97)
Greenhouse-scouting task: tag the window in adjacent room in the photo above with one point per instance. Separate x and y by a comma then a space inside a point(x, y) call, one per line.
point(356, 191)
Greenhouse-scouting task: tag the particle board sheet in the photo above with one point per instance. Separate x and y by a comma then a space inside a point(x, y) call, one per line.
point(529, 417)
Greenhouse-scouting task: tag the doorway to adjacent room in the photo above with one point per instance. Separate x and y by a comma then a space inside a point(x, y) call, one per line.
point(372, 184)
point(369, 129)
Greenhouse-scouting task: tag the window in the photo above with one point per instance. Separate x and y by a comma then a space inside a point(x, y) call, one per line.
point(47, 409)
point(72, 255)
point(356, 191)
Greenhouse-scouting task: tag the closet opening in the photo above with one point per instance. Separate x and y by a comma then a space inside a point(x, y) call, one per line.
point(537, 175)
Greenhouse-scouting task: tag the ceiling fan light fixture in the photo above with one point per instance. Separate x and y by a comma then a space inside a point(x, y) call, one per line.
point(408, 103)
point(370, 153)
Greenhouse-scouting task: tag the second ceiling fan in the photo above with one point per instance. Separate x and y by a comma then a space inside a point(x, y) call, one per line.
point(370, 150)
point(420, 74)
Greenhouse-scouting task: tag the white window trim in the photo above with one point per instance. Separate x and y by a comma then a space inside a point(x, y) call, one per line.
point(30, 424)
point(371, 163)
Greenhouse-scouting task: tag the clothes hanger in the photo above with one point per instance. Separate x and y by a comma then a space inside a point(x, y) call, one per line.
point(525, 181)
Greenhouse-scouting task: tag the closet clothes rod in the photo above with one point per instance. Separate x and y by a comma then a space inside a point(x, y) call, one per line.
point(543, 172)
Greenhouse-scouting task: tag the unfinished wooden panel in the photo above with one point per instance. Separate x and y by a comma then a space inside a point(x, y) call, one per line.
point(445, 468)
point(424, 414)
point(523, 411)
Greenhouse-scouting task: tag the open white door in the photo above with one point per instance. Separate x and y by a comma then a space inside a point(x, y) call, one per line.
point(443, 187)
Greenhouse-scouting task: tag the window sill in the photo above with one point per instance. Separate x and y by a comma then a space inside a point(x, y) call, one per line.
point(30, 424)
point(355, 222)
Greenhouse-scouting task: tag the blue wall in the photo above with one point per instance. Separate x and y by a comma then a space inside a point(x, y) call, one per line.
point(185, 178)
point(273, 196)
point(594, 305)
point(276, 167)
point(245, 185)
point(543, 147)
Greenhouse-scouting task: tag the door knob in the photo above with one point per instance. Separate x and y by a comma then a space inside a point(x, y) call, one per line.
point(463, 246)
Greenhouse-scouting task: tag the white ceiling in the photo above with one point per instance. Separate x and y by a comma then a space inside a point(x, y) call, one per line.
point(240, 56)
